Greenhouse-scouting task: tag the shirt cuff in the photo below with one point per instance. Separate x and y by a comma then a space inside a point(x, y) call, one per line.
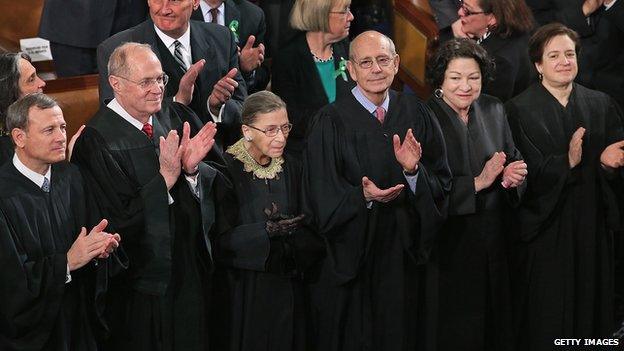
point(68, 277)
point(411, 181)
point(219, 118)
point(169, 198)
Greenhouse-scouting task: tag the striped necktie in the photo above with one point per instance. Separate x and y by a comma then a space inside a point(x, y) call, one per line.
point(177, 55)
point(46, 185)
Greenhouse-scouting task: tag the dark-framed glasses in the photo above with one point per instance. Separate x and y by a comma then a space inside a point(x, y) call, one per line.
point(271, 131)
point(382, 61)
point(467, 11)
point(149, 82)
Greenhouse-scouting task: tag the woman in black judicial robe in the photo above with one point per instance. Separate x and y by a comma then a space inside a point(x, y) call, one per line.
point(502, 27)
point(569, 137)
point(262, 243)
point(488, 174)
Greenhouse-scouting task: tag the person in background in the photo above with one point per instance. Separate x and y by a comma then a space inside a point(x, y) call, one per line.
point(246, 21)
point(571, 138)
point(76, 27)
point(502, 27)
point(310, 71)
point(488, 179)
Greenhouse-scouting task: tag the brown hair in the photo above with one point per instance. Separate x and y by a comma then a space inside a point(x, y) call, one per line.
point(512, 16)
point(545, 34)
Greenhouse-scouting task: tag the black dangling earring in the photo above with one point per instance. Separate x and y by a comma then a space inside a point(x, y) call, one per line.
point(438, 93)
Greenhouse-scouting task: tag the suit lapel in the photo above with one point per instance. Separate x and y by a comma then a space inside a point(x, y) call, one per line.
point(231, 13)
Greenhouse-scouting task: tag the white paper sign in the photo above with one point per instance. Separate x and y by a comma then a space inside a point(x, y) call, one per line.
point(37, 48)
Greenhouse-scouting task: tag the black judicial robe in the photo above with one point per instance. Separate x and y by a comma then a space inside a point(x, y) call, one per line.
point(266, 300)
point(39, 310)
point(161, 303)
point(6, 148)
point(472, 257)
point(371, 288)
point(564, 252)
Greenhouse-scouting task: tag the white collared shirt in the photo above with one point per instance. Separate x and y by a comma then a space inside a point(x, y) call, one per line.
point(608, 6)
point(185, 40)
point(205, 9)
point(38, 180)
point(30, 174)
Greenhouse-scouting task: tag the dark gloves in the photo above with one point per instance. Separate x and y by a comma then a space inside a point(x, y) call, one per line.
point(279, 224)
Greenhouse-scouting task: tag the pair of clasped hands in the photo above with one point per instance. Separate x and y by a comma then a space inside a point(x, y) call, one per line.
point(612, 157)
point(408, 155)
point(250, 58)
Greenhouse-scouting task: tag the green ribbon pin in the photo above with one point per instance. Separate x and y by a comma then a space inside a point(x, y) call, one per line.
point(234, 28)
point(341, 70)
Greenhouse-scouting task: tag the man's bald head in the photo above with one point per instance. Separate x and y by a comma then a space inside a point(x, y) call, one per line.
point(369, 38)
point(120, 62)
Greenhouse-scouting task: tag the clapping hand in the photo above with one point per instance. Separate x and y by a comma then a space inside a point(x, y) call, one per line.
point(408, 153)
point(613, 155)
point(222, 91)
point(514, 174)
point(373, 193)
point(575, 150)
point(251, 58)
point(187, 83)
point(171, 152)
point(197, 147)
point(493, 167)
point(87, 247)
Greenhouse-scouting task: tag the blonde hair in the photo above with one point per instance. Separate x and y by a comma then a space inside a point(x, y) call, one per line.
point(313, 15)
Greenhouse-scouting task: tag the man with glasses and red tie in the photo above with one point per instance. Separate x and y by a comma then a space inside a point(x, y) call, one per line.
point(376, 181)
point(148, 177)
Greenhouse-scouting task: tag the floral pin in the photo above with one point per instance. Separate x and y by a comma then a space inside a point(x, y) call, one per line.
point(234, 28)
point(342, 69)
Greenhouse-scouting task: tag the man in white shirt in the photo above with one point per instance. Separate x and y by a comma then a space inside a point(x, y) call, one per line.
point(44, 246)
point(148, 177)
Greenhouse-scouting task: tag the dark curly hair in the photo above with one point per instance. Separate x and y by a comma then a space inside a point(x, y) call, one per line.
point(9, 81)
point(458, 48)
point(513, 17)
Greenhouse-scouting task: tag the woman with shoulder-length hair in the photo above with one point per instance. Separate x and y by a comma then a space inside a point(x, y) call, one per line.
point(18, 77)
point(310, 71)
point(502, 27)
point(571, 138)
point(488, 179)
point(262, 241)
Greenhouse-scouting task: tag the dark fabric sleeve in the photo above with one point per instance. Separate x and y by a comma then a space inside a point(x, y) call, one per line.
point(505, 79)
point(570, 13)
point(232, 111)
point(336, 203)
point(105, 90)
point(430, 201)
point(547, 178)
point(31, 292)
point(514, 195)
point(612, 182)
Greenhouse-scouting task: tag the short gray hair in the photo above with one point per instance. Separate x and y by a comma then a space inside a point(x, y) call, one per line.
point(261, 102)
point(17, 114)
point(118, 61)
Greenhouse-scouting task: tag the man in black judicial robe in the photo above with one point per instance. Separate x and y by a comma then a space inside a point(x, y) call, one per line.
point(378, 204)
point(48, 286)
point(162, 301)
point(564, 255)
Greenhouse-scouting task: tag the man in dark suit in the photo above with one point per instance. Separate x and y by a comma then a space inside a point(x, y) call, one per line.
point(76, 27)
point(246, 21)
point(216, 90)
point(156, 190)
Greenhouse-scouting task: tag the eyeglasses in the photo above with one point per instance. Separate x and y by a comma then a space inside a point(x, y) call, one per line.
point(382, 61)
point(271, 131)
point(467, 12)
point(149, 82)
point(344, 12)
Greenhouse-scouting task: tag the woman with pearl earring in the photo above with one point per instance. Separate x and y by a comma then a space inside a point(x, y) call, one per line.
point(488, 178)
point(262, 242)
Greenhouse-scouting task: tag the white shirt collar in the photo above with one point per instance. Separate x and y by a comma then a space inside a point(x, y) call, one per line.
point(607, 7)
point(205, 9)
point(30, 174)
point(118, 109)
point(185, 39)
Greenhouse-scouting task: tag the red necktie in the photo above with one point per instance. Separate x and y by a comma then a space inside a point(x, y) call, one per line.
point(148, 130)
point(380, 113)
